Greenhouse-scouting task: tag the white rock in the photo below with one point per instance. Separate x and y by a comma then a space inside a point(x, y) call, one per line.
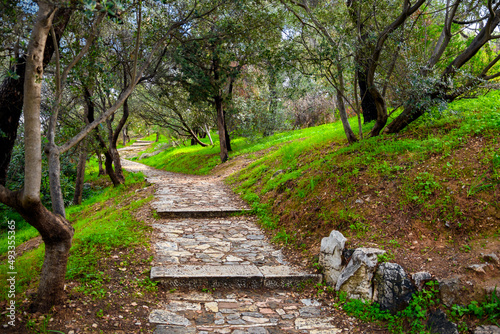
point(330, 256)
point(356, 278)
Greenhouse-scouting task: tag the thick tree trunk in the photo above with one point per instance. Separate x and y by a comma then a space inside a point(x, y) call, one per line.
point(367, 100)
point(381, 120)
point(221, 126)
point(408, 115)
point(12, 93)
point(80, 173)
point(57, 234)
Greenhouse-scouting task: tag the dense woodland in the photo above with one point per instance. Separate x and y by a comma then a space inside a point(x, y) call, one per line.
point(80, 77)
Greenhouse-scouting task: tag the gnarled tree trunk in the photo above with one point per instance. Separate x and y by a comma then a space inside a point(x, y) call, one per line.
point(55, 230)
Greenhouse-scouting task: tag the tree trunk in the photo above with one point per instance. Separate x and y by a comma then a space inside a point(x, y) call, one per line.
point(125, 135)
point(99, 160)
point(367, 100)
point(12, 93)
point(228, 139)
point(114, 139)
point(80, 173)
point(56, 194)
point(351, 137)
point(273, 101)
point(221, 126)
point(408, 115)
point(207, 131)
point(55, 230)
point(57, 234)
point(157, 137)
point(381, 120)
point(108, 164)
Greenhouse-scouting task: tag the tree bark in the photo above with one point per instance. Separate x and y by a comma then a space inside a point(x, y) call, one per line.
point(408, 115)
point(228, 139)
point(99, 160)
point(56, 194)
point(367, 101)
point(80, 173)
point(113, 151)
point(221, 126)
point(351, 137)
point(207, 131)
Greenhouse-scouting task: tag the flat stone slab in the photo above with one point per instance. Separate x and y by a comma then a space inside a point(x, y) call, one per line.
point(169, 318)
point(286, 277)
point(166, 212)
point(189, 196)
point(227, 276)
point(192, 276)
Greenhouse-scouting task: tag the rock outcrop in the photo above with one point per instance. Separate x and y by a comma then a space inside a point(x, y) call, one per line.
point(356, 278)
point(393, 289)
point(330, 257)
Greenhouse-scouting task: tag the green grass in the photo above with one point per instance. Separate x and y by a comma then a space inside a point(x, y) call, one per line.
point(97, 233)
point(201, 160)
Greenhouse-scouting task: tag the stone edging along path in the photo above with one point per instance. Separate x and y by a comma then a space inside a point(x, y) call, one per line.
point(199, 247)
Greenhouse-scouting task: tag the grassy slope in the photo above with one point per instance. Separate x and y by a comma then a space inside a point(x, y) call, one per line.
point(102, 223)
point(429, 195)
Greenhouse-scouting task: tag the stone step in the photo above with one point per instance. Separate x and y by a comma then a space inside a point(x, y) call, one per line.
point(195, 277)
point(139, 145)
point(199, 212)
point(245, 311)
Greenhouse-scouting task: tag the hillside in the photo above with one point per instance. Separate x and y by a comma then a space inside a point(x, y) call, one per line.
point(429, 195)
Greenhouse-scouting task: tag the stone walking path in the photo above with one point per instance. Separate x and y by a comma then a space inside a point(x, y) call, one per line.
point(233, 280)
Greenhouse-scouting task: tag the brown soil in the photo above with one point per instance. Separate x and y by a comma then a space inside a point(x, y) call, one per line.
point(421, 237)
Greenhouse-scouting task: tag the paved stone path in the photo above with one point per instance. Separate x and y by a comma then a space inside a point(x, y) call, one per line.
point(137, 147)
point(224, 275)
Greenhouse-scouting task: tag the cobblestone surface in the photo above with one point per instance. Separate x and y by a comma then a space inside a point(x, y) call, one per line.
point(217, 242)
point(227, 246)
point(179, 192)
point(245, 312)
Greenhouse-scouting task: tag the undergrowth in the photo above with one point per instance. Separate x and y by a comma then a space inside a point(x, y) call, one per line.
point(414, 318)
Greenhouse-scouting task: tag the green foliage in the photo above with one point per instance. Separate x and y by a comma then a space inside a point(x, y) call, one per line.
point(366, 311)
point(421, 188)
point(488, 309)
point(282, 237)
point(385, 257)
